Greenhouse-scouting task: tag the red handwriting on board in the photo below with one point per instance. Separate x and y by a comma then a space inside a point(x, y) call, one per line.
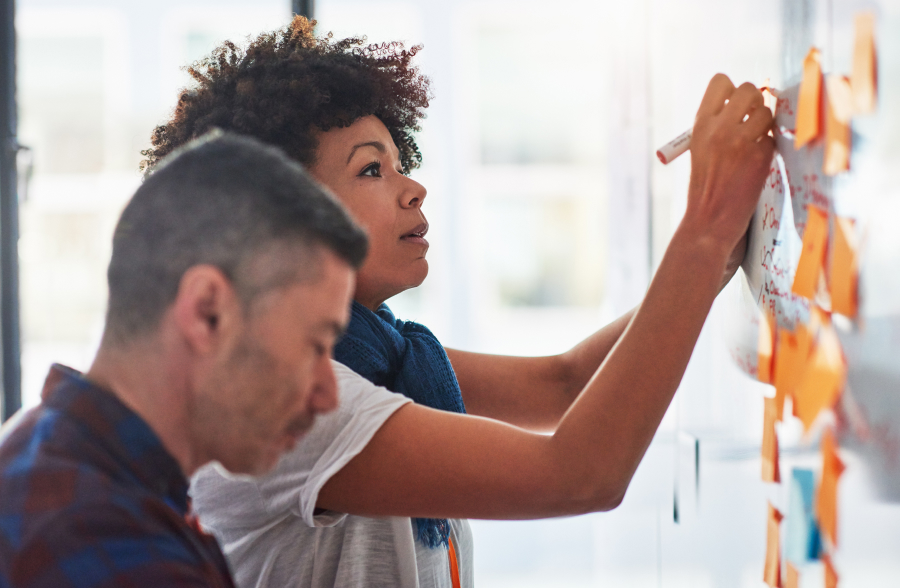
point(781, 303)
point(809, 191)
point(784, 105)
point(745, 362)
point(780, 271)
point(774, 180)
point(770, 221)
point(767, 258)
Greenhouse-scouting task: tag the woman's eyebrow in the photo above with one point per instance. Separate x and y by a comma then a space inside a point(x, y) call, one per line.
point(376, 144)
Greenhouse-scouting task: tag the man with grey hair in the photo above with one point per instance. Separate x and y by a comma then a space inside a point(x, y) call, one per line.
point(229, 283)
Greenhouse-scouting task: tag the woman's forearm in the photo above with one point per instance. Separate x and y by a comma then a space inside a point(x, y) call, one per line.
point(623, 404)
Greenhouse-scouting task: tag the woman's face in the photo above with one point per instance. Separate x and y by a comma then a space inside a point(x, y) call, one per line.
point(361, 165)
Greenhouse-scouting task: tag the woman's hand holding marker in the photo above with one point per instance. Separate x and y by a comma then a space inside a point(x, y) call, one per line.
point(731, 154)
point(677, 146)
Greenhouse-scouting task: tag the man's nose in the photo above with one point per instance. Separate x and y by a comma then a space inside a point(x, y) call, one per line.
point(324, 395)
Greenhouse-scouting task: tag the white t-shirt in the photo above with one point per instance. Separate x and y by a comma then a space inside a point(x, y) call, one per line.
point(272, 538)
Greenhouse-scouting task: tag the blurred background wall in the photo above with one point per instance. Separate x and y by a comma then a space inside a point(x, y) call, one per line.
point(548, 215)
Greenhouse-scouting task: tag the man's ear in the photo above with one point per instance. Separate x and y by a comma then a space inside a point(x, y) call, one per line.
point(206, 308)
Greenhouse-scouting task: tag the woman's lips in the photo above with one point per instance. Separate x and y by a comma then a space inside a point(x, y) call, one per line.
point(415, 240)
point(417, 235)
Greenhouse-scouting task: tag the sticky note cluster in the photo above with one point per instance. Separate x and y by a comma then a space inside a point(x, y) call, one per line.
point(808, 367)
point(812, 516)
point(799, 352)
point(827, 104)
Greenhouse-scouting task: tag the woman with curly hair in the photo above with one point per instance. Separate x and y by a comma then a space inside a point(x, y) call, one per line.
point(332, 513)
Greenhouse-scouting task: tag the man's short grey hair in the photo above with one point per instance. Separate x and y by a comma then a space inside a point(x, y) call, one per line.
point(227, 201)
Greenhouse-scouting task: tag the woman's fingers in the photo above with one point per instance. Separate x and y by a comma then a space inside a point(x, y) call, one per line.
point(742, 102)
point(718, 91)
point(758, 123)
point(745, 101)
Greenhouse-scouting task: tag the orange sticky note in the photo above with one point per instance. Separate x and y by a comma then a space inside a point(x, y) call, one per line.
point(823, 380)
point(864, 80)
point(791, 357)
point(837, 125)
point(844, 271)
point(809, 102)
point(826, 499)
point(831, 576)
point(770, 470)
point(772, 572)
point(767, 330)
point(812, 256)
point(791, 577)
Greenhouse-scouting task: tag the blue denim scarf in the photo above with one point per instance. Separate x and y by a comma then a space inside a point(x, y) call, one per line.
point(404, 357)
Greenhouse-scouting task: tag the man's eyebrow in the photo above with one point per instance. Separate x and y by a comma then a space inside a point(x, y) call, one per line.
point(376, 144)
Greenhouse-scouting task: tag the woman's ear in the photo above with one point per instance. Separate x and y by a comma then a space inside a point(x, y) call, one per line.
point(206, 309)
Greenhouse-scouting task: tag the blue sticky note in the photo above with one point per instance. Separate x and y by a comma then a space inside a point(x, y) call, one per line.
point(802, 541)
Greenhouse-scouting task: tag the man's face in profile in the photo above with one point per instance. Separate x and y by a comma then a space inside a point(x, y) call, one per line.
point(276, 376)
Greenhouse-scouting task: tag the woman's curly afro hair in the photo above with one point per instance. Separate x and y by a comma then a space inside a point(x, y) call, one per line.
point(287, 85)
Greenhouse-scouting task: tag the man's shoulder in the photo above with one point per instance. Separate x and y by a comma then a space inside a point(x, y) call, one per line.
point(102, 542)
point(45, 467)
point(48, 495)
point(67, 519)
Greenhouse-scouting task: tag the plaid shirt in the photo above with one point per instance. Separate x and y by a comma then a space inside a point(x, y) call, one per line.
point(89, 498)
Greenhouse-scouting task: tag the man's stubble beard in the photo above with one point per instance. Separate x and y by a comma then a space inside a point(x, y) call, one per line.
point(221, 415)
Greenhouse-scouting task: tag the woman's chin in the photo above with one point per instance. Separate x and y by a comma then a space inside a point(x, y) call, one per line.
point(415, 278)
point(372, 292)
point(422, 267)
point(412, 283)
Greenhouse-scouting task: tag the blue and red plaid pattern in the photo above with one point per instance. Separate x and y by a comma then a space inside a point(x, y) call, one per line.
point(90, 498)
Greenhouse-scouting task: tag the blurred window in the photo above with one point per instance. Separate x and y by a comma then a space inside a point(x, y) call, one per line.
point(61, 93)
point(538, 99)
point(93, 81)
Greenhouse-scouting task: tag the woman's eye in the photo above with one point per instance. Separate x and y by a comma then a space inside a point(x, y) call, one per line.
point(373, 170)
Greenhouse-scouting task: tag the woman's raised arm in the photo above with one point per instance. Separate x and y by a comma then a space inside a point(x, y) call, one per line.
point(428, 463)
point(535, 392)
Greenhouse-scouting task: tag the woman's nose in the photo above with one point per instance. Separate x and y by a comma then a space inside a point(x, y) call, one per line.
point(413, 193)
